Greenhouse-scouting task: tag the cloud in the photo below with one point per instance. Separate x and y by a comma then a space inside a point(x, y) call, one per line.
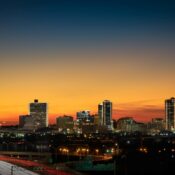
point(140, 112)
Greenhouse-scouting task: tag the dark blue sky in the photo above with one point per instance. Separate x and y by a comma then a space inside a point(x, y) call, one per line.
point(74, 24)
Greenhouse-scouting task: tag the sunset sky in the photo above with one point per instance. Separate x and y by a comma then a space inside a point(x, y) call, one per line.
point(73, 54)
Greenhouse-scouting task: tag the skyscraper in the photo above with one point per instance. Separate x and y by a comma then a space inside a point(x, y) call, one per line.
point(38, 111)
point(100, 114)
point(170, 113)
point(105, 114)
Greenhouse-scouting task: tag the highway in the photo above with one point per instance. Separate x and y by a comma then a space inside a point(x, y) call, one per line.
point(36, 166)
point(11, 169)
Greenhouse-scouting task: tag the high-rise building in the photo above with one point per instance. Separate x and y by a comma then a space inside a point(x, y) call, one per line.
point(100, 114)
point(38, 111)
point(105, 114)
point(170, 113)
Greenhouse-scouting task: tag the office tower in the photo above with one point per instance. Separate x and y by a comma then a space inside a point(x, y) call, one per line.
point(170, 113)
point(84, 122)
point(83, 115)
point(105, 114)
point(38, 111)
point(100, 114)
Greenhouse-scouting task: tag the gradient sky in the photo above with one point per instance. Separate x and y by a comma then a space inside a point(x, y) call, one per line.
point(74, 54)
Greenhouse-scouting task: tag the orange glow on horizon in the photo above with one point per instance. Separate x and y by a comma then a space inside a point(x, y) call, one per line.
point(74, 83)
point(140, 113)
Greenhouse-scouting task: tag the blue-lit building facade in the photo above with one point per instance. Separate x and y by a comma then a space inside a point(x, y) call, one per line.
point(170, 114)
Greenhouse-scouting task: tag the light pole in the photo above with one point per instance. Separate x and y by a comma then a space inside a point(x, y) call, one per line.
point(14, 167)
point(12, 170)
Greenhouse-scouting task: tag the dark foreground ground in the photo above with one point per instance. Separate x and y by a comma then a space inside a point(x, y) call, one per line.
point(145, 163)
point(142, 163)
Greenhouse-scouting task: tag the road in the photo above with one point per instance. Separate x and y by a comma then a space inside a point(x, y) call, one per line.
point(11, 169)
point(38, 167)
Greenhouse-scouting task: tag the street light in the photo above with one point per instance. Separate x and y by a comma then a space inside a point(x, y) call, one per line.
point(97, 151)
point(12, 169)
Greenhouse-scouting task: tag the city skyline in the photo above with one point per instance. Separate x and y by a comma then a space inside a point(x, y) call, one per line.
point(74, 54)
point(138, 114)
